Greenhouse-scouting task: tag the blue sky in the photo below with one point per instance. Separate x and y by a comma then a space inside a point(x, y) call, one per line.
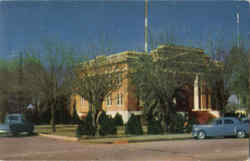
point(80, 23)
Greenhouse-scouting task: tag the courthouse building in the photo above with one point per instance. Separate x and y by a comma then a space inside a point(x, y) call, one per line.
point(197, 103)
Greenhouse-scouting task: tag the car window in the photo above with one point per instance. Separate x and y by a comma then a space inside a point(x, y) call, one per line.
point(23, 118)
point(218, 122)
point(228, 121)
point(13, 118)
point(246, 121)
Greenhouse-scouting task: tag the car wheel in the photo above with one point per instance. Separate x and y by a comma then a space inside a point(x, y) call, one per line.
point(12, 133)
point(201, 135)
point(30, 133)
point(241, 134)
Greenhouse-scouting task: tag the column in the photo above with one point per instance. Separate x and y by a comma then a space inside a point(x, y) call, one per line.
point(201, 96)
point(196, 93)
point(209, 102)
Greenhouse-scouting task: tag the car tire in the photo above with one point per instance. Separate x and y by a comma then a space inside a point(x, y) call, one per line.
point(201, 135)
point(30, 133)
point(12, 133)
point(241, 134)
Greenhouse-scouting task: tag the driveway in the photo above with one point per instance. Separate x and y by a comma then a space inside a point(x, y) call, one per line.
point(42, 148)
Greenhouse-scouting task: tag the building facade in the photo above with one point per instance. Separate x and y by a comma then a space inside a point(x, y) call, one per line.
point(124, 101)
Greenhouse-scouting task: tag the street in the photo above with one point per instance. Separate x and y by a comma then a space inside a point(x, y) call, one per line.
point(38, 147)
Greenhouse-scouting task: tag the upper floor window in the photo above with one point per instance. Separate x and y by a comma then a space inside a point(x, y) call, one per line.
point(119, 99)
point(109, 100)
point(82, 100)
point(120, 78)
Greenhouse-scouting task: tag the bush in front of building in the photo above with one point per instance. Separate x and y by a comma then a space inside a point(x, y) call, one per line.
point(118, 119)
point(107, 125)
point(176, 124)
point(191, 122)
point(154, 127)
point(133, 126)
point(85, 127)
point(75, 117)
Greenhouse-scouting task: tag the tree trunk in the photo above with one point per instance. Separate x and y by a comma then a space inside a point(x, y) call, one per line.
point(98, 126)
point(164, 121)
point(248, 111)
point(52, 119)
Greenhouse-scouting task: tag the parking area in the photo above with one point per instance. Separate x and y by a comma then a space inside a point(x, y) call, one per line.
point(38, 147)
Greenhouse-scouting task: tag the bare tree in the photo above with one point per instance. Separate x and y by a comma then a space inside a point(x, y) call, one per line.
point(232, 76)
point(97, 79)
point(50, 75)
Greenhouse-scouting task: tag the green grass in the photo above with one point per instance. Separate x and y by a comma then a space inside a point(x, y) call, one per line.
point(69, 130)
point(61, 130)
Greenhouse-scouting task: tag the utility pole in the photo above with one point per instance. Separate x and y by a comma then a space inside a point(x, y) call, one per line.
point(146, 26)
point(249, 85)
point(238, 38)
point(238, 26)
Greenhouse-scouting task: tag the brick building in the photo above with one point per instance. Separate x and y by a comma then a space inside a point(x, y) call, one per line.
point(124, 101)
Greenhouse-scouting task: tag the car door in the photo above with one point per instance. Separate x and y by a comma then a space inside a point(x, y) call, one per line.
point(228, 128)
point(217, 129)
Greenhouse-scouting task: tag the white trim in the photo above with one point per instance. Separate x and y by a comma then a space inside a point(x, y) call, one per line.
point(125, 114)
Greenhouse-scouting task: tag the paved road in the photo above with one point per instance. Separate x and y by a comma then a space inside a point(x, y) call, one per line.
point(38, 147)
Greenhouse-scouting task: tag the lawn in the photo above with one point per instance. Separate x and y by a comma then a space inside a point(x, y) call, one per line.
point(69, 130)
point(61, 130)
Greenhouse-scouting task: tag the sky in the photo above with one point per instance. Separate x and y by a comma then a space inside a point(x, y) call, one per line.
point(118, 24)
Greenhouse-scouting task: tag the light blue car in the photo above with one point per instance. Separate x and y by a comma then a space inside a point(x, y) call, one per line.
point(224, 126)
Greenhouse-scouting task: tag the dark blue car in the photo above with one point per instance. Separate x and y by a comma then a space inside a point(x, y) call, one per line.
point(15, 124)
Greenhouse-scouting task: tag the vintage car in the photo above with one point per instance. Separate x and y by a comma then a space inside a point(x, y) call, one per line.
point(224, 126)
point(15, 124)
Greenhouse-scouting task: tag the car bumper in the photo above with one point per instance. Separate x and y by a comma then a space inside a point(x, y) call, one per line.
point(4, 131)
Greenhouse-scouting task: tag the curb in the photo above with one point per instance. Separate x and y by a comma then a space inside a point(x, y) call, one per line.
point(67, 138)
point(134, 141)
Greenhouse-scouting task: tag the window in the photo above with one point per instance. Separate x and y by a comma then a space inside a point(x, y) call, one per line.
point(109, 101)
point(218, 122)
point(119, 99)
point(228, 122)
point(119, 78)
point(82, 100)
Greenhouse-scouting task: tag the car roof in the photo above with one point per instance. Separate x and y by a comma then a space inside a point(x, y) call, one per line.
point(229, 118)
point(15, 114)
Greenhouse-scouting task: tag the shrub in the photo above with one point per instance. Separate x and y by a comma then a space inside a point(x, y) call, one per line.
point(134, 126)
point(107, 125)
point(118, 120)
point(190, 124)
point(177, 123)
point(75, 118)
point(154, 127)
point(85, 127)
